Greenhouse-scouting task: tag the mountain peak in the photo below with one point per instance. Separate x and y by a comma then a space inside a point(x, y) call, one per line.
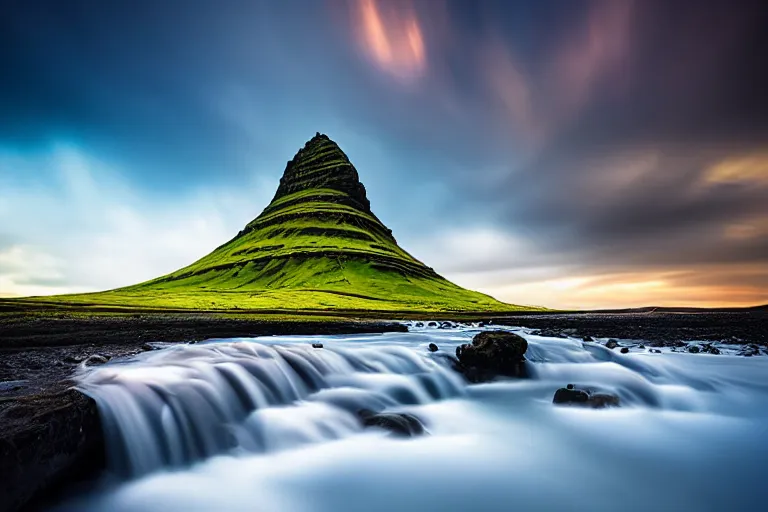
point(322, 165)
point(316, 246)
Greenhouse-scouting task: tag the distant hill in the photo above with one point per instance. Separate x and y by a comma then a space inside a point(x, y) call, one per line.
point(316, 246)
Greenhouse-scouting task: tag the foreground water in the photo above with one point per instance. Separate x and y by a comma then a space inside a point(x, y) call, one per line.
point(270, 424)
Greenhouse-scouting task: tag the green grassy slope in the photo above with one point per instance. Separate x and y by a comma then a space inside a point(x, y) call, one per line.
point(317, 246)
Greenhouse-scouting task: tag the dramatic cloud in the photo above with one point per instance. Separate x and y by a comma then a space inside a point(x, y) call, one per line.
point(572, 154)
point(391, 36)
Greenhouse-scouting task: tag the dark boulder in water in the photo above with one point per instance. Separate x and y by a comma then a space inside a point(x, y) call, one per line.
point(612, 344)
point(571, 396)
point(655, 351)
point(693, 349)
point(432, 324)
point(397, 423)
point(317, 345)
point(433, 347)
point(491, 354)
point(588, 338)
point(624, 350)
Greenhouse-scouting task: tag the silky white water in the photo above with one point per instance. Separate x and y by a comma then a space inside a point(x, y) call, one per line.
point(270, 424)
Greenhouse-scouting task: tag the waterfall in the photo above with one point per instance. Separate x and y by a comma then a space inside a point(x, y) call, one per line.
point(190, 402)
point(272, 424)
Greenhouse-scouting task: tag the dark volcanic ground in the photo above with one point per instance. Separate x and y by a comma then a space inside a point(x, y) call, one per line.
point(665, 328)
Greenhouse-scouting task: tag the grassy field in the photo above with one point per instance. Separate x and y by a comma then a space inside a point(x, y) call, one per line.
point(317, 247)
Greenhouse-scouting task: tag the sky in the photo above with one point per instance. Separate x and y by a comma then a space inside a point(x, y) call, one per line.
point(580, 154)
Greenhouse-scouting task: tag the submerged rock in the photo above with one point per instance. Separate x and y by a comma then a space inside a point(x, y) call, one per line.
point(492, 353)
point(397, 423)
point(571, 396)
point(693, 349)
point(624, 350)
point(433, 348)
point(655, 351)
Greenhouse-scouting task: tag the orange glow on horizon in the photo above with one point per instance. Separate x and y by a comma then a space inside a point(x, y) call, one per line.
point(640, 289)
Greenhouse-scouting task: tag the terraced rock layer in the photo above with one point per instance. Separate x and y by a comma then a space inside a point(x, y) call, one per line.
point(317, 245)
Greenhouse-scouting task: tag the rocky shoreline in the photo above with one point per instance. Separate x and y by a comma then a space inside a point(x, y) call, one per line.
point(48, 429)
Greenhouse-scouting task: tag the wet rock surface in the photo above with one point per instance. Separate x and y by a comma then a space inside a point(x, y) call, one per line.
point(570, 395)
point(492, 354)
point(46, 441)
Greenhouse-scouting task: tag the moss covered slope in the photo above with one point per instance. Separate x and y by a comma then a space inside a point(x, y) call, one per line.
point(317, 245)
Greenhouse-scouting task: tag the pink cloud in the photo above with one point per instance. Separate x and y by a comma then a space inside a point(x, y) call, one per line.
point(390, 35)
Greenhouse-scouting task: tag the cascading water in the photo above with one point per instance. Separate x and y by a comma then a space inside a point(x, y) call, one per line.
point(273, 424)
point(189, 402)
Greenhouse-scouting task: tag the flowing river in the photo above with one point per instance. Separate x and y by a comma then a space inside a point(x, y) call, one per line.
point(270, 424)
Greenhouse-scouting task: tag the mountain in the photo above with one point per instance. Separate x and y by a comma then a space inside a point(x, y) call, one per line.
point(316, 246)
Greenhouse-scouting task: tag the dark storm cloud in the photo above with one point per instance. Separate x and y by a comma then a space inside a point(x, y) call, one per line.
point(621, 176)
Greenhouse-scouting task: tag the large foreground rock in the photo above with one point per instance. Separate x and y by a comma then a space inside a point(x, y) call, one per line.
point(492, 354)
point(45, 440)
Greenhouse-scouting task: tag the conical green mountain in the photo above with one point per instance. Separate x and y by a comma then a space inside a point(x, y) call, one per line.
point(317, 246)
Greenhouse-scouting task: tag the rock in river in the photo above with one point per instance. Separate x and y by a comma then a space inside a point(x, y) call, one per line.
point(433, 347)
point(397, 423)
point(571, 396)
point(492, 353)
